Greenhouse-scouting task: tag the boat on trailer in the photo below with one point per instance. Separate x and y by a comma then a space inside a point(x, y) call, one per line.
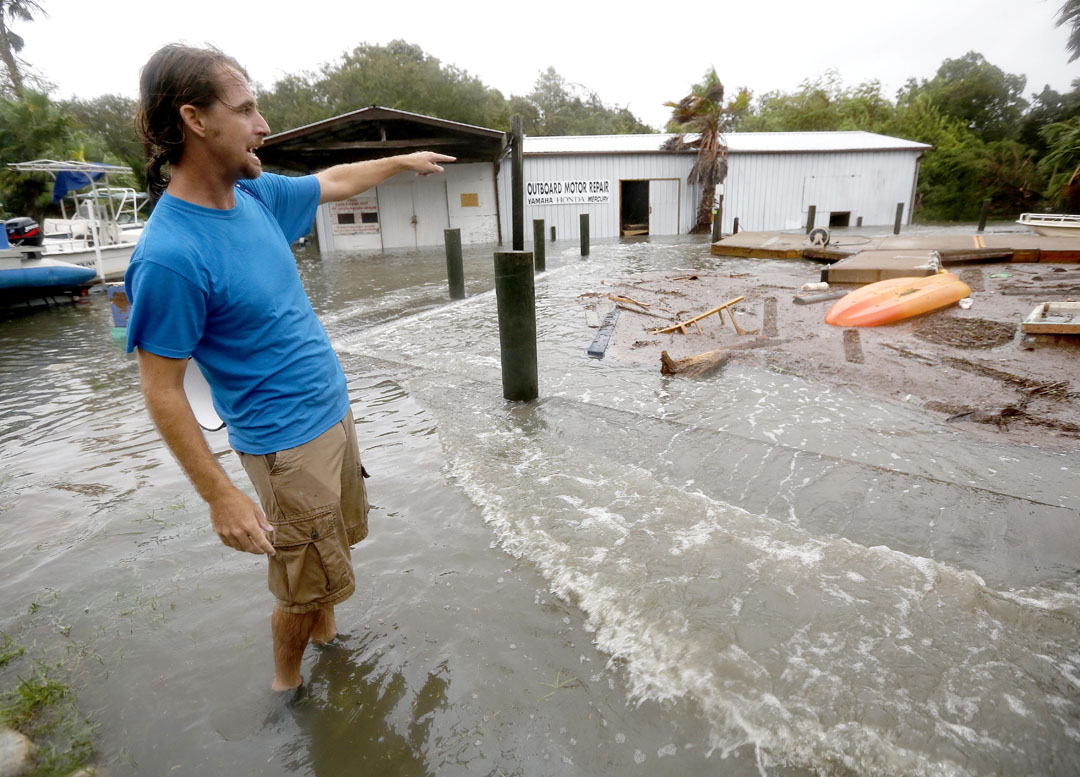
point(104, 225)
point(1051, 224)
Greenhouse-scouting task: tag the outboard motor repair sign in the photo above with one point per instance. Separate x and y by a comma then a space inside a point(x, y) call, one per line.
point(567, 192)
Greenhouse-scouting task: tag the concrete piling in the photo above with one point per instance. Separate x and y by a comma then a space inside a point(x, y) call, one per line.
point(539, 249)
point(455, 273)
point(584, 234)
point(516, 299)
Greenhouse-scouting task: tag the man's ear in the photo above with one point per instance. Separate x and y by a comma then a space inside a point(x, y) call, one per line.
point(193, 119)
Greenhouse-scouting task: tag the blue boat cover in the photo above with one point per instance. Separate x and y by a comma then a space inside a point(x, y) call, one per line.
point(71, 181)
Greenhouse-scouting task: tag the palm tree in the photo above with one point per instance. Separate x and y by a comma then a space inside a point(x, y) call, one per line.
point(702, 112)
point(11, 43)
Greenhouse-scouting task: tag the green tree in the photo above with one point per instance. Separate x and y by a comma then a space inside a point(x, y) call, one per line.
point(31, 127)
point(703, 112)
point(1061, 164)
point(109, 122)
point(822, 104)
point(556, 107)
point(1070, 15)
point(983, 96)
point(11, 43)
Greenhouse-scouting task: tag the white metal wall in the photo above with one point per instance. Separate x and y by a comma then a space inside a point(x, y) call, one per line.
point(603, 218)
point(463, 197)
point(773, 191)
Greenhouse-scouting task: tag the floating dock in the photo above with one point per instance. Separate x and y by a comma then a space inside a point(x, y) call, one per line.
point(859, 259)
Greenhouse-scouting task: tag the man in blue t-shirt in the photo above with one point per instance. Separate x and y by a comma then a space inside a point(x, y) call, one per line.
point(213, 278)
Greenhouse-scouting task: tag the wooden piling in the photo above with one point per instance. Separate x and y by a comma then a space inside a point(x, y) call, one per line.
point(735, 226)
point(858, 221)
point(982, 214)
point(516, 299)
point(539, 249)
point(517, 183)
point(552, 233)
point(811, 212)
point(584, 234)
point(899, 218)
point(718, 217)
point(455, 273)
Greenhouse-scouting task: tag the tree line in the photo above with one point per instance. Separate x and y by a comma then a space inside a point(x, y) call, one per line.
point(990, 141)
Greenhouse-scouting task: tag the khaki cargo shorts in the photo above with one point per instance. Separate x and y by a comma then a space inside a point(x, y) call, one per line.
point(314, 497)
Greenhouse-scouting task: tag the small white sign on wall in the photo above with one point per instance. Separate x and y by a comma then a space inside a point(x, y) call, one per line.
point(567, 192)
point(356, 216)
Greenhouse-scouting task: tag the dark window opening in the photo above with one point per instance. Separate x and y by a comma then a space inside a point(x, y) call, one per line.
point(346, 218)
point(840, 219)
point(369, 218)
point(633, 207)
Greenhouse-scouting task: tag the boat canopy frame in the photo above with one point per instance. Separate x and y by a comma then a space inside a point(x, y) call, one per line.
point(52, 167)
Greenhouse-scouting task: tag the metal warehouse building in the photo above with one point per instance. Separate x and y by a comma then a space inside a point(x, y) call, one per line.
point(627, 184)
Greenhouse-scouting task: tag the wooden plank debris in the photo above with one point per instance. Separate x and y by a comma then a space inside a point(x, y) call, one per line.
point(682, 327)
point(603, 337)
point(693, 366)
point(1053, 318)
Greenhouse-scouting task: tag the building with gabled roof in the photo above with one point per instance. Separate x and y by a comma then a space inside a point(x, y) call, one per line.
point(628, 184)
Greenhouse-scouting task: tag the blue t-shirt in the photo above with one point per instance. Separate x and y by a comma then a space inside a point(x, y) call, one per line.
point(222, 287)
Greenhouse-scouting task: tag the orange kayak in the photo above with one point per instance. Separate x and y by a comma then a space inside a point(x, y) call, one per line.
point(896, 299)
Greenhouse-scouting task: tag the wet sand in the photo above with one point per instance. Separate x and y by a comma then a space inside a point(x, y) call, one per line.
point(974, 368)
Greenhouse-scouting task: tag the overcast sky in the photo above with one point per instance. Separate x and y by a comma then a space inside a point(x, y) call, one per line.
point(633, 55)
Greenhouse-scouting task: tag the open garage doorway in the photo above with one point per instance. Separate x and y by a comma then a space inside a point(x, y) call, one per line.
point(633, 208)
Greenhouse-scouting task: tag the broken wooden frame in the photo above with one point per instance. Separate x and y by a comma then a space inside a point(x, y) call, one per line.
point(683, 326)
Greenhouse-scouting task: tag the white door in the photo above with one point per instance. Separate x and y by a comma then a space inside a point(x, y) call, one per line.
point(413, 214)
point(664, 207)
point(396, 216)
point(430, 210)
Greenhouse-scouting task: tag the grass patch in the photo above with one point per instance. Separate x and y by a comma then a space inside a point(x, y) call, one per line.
point(43, 708)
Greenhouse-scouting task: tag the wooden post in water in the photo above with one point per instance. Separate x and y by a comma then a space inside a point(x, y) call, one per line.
point(735, 226)
point(811, 212)
point(455, 274)
point(539, 249)
point(982, 214)
point(516, 299)
point(718, 217)
point(858, 222)
point(899, 218)
point(584, 234)
point(552, 233)
point(517, 183)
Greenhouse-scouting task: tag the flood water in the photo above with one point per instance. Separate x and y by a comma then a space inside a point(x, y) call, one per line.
point(635, 574)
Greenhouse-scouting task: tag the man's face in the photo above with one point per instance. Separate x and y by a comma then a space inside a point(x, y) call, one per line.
point(236, 128)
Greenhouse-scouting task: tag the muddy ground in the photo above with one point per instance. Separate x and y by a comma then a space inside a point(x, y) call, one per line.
point(973, 368)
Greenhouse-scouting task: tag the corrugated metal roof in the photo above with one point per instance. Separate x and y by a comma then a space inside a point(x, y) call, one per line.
point(737, 142)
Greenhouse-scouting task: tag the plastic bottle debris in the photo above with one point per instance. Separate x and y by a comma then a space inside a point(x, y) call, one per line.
point(822, 286)
point(965, 303)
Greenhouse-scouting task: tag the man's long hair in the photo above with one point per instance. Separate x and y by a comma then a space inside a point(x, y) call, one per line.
point(174, 76)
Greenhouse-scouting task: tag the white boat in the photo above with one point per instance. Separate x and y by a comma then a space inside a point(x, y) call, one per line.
point(105, 223)
point(1053, 224)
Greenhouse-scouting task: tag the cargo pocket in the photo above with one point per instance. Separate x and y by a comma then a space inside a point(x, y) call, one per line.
point(310, 564)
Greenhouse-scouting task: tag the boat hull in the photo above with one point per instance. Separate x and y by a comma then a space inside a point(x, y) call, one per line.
point(896, 299)
point(114, 258)
point(44, 274)
point(1051, 224)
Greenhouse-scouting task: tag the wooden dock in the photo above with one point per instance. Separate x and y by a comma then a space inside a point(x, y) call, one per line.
point(1000, 247)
